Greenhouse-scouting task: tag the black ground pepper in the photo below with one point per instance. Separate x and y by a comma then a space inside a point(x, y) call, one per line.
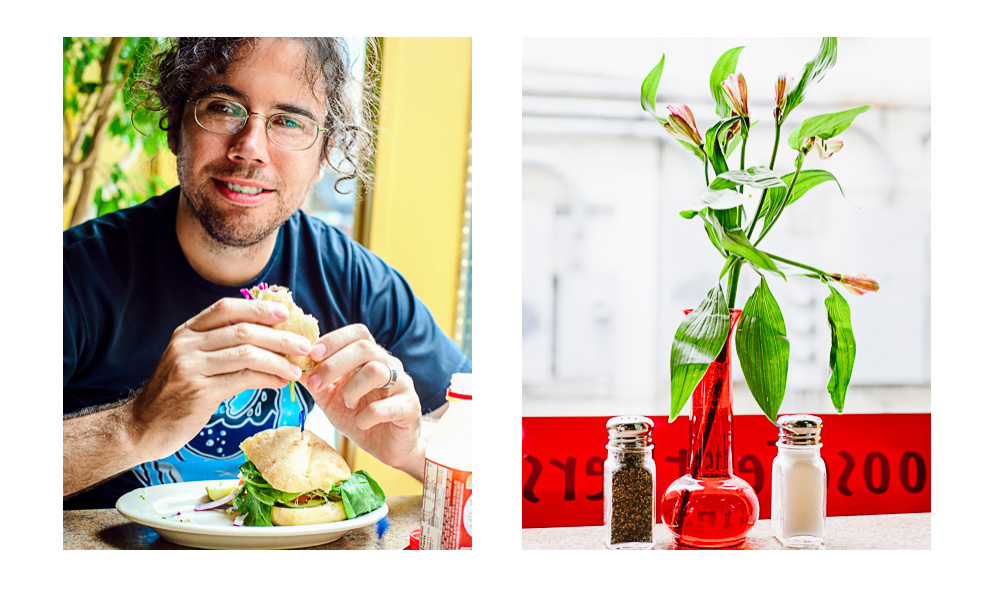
point(631, 502)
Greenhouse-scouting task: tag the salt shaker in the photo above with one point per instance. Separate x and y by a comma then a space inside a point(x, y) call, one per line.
point(629, 484)
point(798, 506)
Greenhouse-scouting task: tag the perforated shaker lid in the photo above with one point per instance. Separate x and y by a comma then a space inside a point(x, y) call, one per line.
point(799, 429)
point(629, 432)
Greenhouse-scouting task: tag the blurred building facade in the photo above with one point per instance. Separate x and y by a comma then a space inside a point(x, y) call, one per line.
point(609, 265)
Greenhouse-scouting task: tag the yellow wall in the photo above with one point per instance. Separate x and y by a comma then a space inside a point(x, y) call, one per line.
point(419, 191)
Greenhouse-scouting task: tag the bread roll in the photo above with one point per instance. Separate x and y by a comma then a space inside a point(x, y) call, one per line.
point(295, 461)
point(320, 514)
point(298, 322)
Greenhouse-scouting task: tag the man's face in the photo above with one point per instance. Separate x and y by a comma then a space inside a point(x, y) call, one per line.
point(242, 187)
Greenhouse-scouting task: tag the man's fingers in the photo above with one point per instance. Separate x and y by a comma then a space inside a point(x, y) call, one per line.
point(251, 357)
point(357, 355)
point(369, 377)
point(234, 383)
point(334, 341)
point(280, 342)
point(231, 310)
point(399, 408)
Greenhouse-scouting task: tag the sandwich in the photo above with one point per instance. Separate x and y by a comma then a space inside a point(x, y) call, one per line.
point(298, 321)
point(292, 477)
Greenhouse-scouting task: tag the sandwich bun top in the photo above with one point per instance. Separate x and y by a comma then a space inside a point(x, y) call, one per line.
point(295, 461)
point(298, 322)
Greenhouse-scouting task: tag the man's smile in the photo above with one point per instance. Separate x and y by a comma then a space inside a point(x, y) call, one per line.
point(244, 193)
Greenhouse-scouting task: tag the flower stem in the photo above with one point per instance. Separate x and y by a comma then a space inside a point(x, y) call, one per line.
point(783, 204)
point(763, 196)
point(733, 275)
point(798, 264)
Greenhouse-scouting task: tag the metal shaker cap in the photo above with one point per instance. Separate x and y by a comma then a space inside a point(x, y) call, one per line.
point(799, 429)
point(629, 432)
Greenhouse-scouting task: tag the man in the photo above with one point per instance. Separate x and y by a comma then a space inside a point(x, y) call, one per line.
point(243, 118)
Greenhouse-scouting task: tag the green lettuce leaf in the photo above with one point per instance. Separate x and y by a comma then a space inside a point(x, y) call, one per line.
point(360, 494)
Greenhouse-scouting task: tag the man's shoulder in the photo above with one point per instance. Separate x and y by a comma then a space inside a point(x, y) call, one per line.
point(136, 222)
point(314, 232)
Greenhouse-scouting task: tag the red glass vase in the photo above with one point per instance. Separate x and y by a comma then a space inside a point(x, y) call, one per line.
point(709, 507)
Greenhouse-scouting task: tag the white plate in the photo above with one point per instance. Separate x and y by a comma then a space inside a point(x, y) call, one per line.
point(157, 507)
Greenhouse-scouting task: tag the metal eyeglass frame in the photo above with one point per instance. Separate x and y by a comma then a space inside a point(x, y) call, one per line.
point(267, 120)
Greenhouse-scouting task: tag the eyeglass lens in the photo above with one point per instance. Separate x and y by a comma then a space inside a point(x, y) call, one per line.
point(290, 131)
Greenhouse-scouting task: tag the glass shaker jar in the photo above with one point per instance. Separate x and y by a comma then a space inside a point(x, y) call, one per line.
point(798, 503)
point(629, 484)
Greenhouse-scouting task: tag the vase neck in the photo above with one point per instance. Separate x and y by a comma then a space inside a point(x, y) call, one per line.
point(710, 451)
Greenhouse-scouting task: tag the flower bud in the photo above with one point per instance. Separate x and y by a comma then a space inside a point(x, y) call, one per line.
point(856, 284)
point(780, 95)
point(736, 94)
point(680, 124)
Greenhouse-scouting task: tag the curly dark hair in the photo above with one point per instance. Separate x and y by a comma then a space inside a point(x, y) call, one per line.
point(187, 65)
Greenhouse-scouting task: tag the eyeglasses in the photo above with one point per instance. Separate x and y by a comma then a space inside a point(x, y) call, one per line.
point(285, 130)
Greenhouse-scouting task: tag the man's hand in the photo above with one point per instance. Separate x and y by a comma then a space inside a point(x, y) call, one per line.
point(347, 386)
point(222, 351)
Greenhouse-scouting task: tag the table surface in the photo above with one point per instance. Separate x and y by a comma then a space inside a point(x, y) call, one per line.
point(107, 529)
point(889, 531)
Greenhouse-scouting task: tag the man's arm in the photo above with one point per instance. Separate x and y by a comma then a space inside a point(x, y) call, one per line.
point(217, 354)
point(97, 444)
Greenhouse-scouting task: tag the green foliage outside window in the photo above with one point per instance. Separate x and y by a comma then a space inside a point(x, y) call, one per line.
point(104, 121)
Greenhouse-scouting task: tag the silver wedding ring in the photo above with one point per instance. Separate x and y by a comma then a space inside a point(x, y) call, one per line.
point(393, 375)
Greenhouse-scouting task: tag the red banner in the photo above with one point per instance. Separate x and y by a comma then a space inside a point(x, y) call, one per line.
point(877, 464)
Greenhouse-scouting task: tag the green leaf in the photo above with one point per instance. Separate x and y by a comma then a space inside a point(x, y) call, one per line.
point(712, 144)
point(360, 494)
point(649, 88)
point(723, 68)
point(806, 181)
point(720, 195)
point(713, 237)
point(716, 199)
point(734, 240)
point(824, 126)
point(759, 177)
point(843, 350)
point(763, 348)
point(698, 341)
point(813, 72)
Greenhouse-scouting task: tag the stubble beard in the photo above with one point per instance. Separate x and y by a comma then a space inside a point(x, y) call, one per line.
point(228, 225)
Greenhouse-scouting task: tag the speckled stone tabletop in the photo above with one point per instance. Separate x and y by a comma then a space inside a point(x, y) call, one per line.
point(107, 529)
point(890, 531)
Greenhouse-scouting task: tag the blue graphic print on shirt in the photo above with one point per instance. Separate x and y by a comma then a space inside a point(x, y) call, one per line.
point(215, 453)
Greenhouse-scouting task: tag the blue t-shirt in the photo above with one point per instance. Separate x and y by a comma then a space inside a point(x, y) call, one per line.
point(127, 286)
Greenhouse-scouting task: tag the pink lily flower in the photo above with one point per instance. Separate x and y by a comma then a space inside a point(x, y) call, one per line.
point(736, 93)
point(826, 147)
point(856, 284)
point(680, 124)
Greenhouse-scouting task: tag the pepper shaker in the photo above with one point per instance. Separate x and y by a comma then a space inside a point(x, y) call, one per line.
point(798, 503)
point(629, 484)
